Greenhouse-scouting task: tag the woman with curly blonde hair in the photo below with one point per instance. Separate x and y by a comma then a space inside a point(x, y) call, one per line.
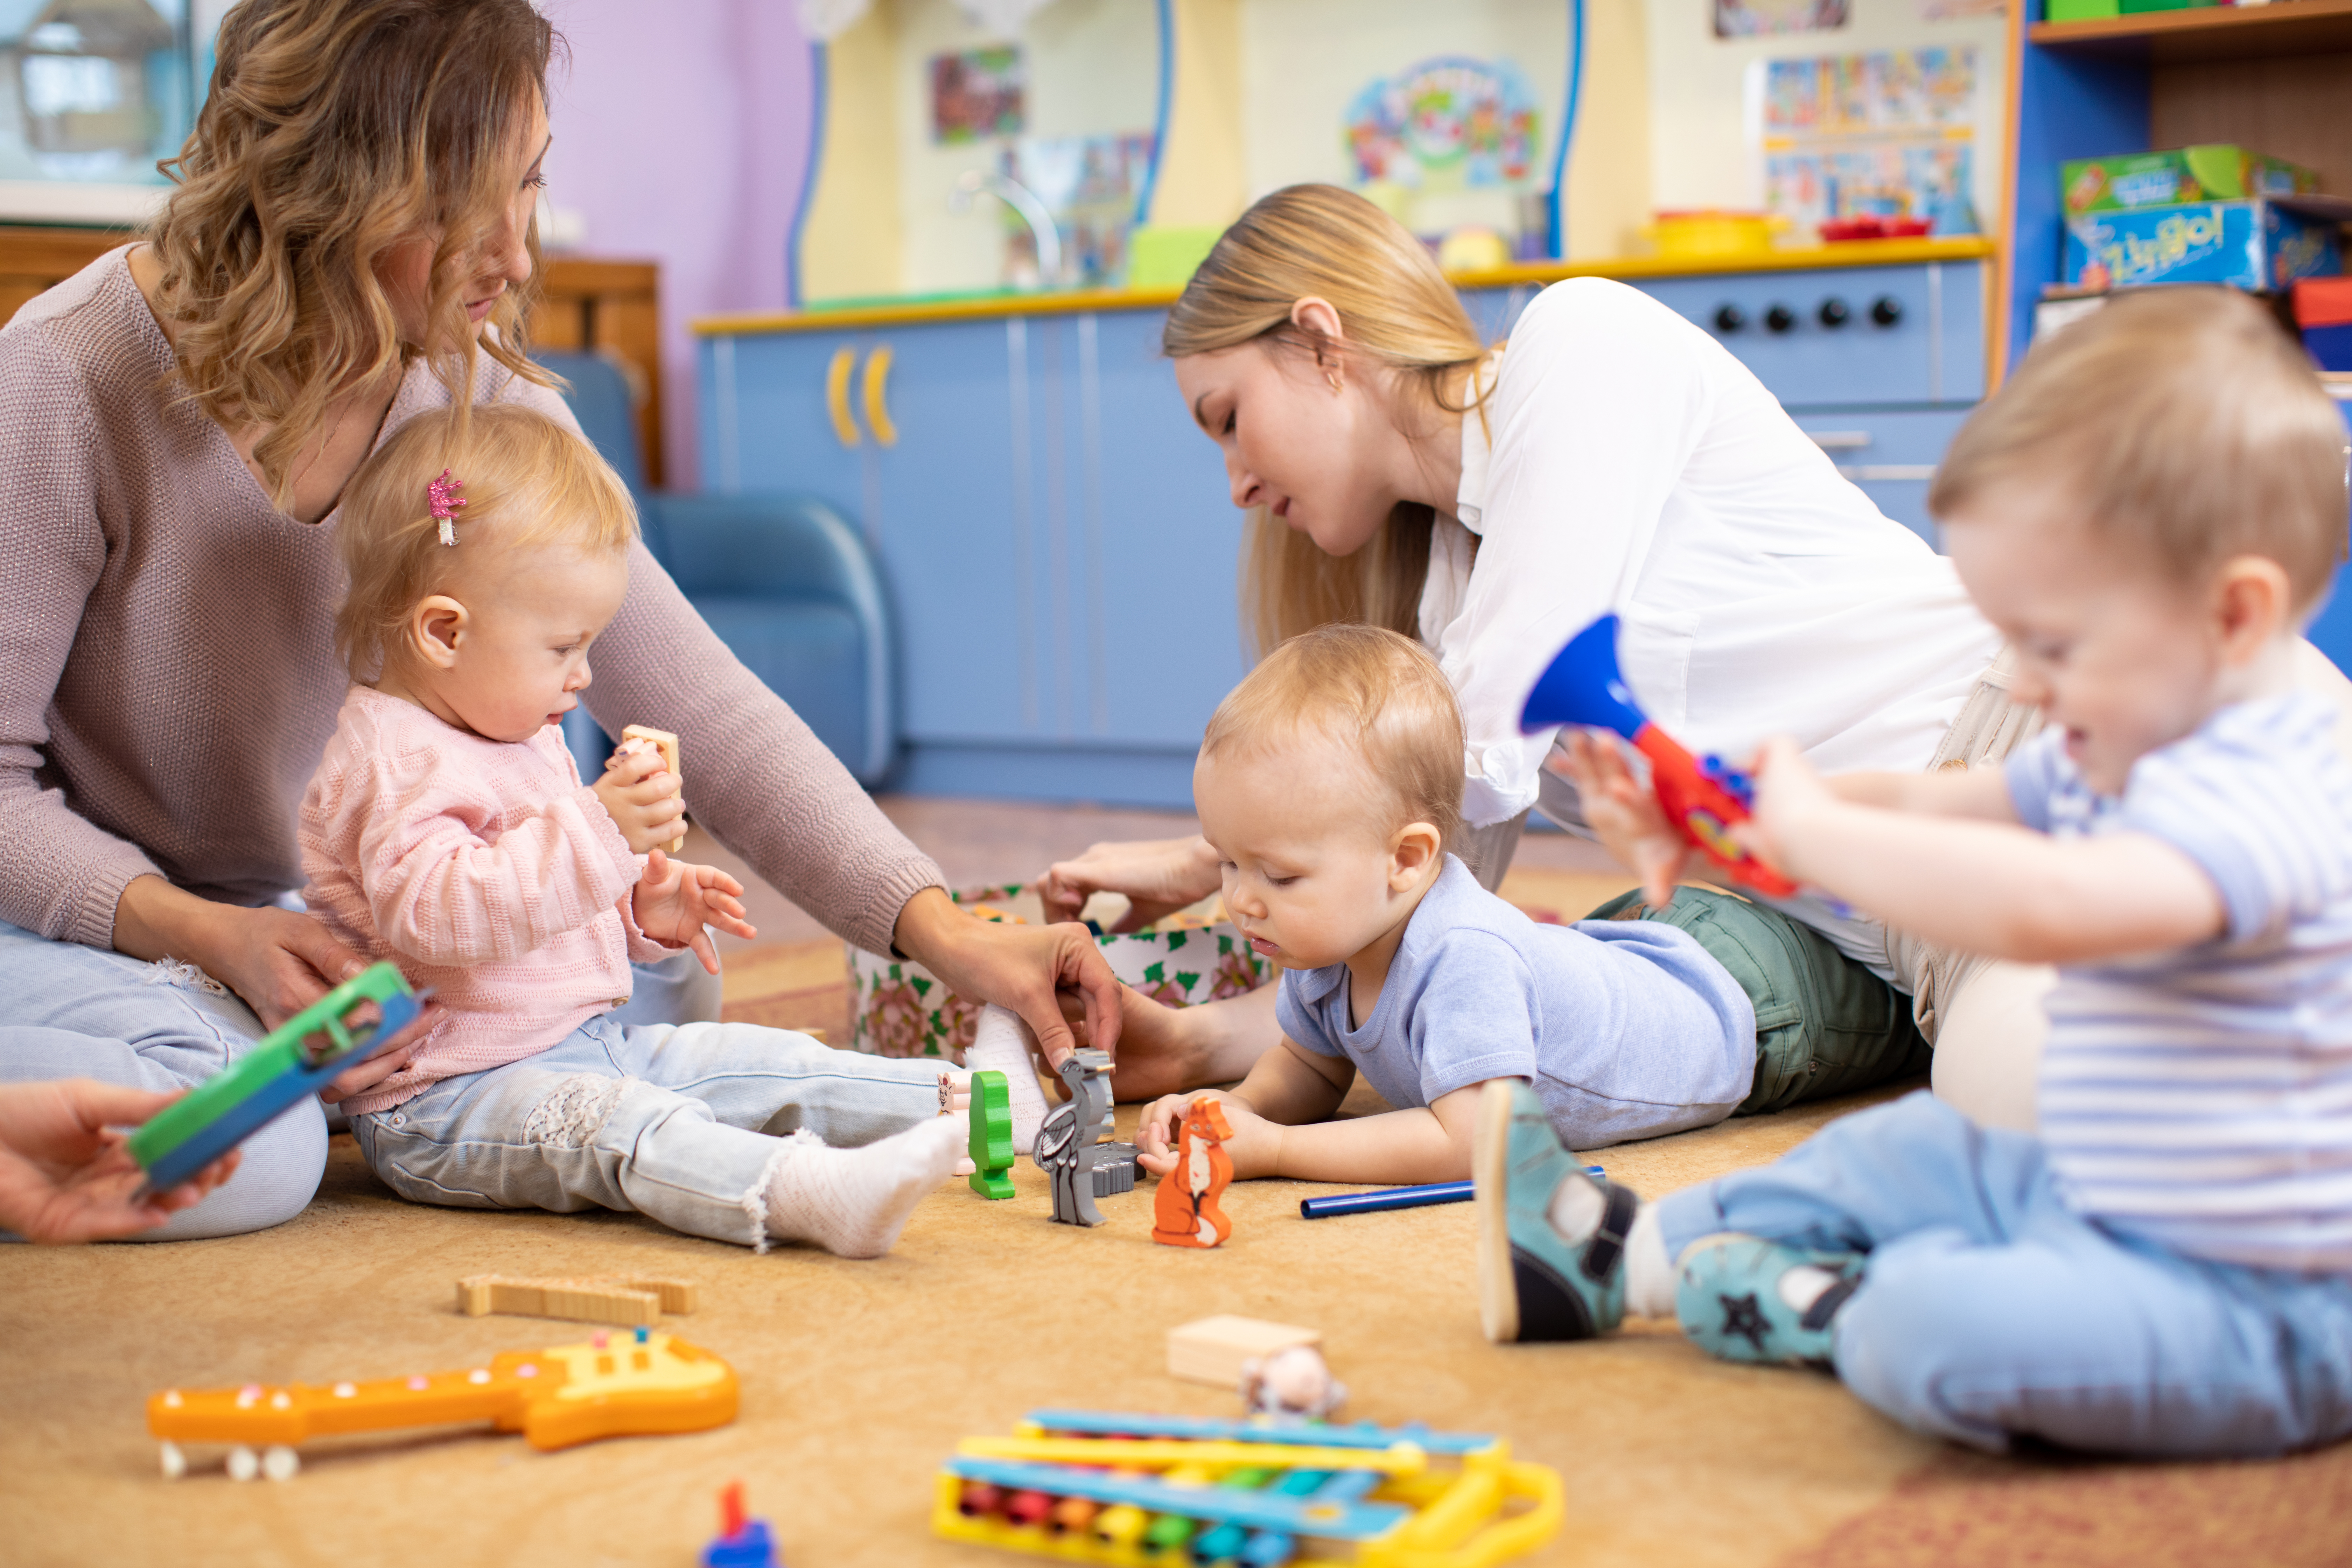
point(350, 243)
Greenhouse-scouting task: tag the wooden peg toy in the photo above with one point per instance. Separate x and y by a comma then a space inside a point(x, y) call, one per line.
point(665, 743)
point(626, 1385)
point(742, 1542)
point(625, 1299)
point(1184, 1211)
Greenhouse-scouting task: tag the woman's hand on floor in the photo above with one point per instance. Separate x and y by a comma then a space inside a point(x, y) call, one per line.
point(1623, 813)
point(1158, 876)
point(1023, 967)
point(64, 1175)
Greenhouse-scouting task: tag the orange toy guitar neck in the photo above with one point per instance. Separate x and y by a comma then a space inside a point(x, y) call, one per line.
point(614, 1386)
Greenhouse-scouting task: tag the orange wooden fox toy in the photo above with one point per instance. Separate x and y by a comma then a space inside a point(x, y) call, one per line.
point(1185, 1212)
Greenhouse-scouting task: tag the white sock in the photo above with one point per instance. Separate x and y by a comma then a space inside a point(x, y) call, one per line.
point(1002, 1042)
point(855, 1201)
point(1649, 1272)
point(1802, 1286)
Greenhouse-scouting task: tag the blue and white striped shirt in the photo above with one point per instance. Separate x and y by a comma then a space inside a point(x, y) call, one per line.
point(2202, 1098)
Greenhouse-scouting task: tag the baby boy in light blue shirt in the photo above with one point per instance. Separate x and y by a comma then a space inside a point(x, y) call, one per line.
point(1329, 782)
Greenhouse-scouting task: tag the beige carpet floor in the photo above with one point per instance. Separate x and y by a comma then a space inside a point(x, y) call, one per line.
point(858, 1378)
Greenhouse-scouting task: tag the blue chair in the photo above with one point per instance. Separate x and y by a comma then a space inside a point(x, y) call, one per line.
point(788, 586)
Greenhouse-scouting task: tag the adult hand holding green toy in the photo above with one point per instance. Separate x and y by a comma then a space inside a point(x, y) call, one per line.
point(64, 1174)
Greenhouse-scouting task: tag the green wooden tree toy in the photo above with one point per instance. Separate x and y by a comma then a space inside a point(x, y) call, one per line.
point(991, 1136)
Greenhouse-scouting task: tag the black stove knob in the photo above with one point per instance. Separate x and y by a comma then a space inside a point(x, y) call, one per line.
point(1833, 313)
point(1779, 318)
point(1729, 319)
point(1886, 310)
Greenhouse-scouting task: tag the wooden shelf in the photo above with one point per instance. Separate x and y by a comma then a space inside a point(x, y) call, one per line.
point(2284, 28)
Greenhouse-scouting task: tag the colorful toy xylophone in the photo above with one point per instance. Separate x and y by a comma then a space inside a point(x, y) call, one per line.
point(1583, 686)
point(339, 1030)
point(1138, 1490)
point(650, 1384)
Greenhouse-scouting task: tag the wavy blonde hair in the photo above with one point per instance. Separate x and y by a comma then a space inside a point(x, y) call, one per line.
point(333, 130)
point(1397, 310)
point(526, 482)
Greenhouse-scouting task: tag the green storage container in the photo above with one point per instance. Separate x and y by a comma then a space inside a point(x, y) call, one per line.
point(2079, 10)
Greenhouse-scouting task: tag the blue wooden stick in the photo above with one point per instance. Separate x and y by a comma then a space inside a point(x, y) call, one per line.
point(1392, 1199)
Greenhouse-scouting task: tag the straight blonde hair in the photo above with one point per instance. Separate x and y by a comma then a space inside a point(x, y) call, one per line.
point(334, 130)
point(1369, 687)
point(525, 481)
point(2187, 428)
point(1398, 312)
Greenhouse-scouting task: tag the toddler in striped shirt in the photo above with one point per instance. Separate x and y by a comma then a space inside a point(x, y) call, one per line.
point(2151, 510)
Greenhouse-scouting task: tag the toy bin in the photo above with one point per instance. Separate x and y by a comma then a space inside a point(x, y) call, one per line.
point(2261, 246)
point(2323, 313)
point(898, 1008)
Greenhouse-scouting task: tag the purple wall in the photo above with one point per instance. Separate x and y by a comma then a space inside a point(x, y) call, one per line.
point(682, 134)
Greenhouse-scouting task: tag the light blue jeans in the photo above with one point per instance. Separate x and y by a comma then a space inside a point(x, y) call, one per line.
point(1989, 1311)
point(71, 1011)
point(681, 1123)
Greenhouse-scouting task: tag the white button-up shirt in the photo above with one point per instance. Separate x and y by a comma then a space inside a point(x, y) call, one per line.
point(1626, 461)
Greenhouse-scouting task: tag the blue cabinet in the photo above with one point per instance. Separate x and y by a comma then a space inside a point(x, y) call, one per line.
point(1056, 538)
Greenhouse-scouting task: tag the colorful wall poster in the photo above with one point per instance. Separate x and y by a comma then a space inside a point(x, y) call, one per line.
point(1446, 123)
point(1892, 132)
point(1752, 18)
point(977, 95)
point(1089, 184)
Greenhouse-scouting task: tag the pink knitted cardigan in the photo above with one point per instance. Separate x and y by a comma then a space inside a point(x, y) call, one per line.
point(483, 870)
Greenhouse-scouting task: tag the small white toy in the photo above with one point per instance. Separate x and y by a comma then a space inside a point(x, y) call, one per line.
point(1291, 1382)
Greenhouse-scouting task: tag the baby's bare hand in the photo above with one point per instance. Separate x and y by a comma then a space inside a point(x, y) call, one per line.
point(642, 795)
point(1155, 1133)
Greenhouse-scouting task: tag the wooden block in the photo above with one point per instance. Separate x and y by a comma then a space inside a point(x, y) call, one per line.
point(666, 743)
point(1213, 1349)
point(626, 1301)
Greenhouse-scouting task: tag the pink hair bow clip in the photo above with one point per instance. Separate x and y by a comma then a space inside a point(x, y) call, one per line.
point(445, 502)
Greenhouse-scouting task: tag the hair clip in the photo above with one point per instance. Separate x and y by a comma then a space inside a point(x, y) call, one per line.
point(445, 502)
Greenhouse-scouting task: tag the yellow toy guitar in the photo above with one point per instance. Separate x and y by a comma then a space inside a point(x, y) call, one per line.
point(613, 1386)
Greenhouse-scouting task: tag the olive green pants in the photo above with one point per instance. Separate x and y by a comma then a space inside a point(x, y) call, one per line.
point(1825, 1025)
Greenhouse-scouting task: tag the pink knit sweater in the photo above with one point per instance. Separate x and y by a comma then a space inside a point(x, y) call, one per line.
point(168, 673)
point(483, 869)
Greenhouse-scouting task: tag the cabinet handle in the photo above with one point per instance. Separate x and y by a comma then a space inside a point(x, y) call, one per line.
point(1881, 472)
point(836, 395)
point(1839, 440)
point(877, 395)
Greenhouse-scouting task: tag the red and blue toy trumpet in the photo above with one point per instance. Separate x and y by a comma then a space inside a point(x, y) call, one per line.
point(1703, 796)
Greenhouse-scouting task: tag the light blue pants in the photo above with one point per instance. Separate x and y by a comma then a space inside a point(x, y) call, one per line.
point(679, 1123)
point(71, 1011)
point(1988, 1312)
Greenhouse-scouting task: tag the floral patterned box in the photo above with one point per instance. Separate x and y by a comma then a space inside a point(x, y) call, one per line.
point(898, 1008)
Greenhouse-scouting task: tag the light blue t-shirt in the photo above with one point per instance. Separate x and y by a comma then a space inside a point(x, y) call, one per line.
point(2202, 1097)
point(1627, 1028)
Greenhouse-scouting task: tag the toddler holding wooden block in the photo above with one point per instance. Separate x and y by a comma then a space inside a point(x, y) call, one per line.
point(448, 831)
point(1330, 783)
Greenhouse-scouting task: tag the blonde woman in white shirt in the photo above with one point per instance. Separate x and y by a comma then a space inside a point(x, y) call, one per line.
point(1493, 503)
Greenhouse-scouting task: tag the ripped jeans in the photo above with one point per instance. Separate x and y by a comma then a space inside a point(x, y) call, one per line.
point(681, 1123)
point(71, 1011)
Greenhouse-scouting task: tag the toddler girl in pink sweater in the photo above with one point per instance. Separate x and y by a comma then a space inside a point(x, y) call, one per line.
point(448, 830)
